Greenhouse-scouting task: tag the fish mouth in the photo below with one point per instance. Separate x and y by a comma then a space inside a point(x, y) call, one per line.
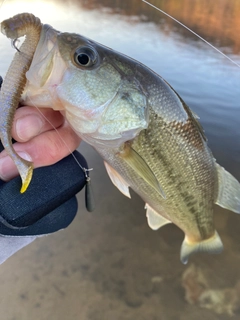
point(43, 76)
point(42, 62)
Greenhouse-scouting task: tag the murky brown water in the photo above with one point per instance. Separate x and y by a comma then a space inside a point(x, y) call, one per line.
point(109, 264)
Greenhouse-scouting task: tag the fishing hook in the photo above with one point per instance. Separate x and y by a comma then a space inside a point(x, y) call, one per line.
point(14, 44)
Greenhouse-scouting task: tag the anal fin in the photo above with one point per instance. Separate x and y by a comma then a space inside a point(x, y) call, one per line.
point(212, 245)
point(117, 180)
point(228, 195)
point(154, 219)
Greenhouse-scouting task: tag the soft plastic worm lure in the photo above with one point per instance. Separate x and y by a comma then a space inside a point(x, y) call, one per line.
point(28, 25)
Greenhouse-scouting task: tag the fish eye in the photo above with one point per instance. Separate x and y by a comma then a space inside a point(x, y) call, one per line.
point(85, 56)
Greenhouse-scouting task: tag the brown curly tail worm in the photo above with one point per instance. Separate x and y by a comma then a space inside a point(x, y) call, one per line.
point(24, 24)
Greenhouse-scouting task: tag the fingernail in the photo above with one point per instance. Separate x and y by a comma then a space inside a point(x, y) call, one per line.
point(8, 169)
point(28, 127)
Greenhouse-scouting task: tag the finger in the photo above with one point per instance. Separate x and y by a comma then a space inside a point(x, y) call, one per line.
point(44, 149)
point(30, 122)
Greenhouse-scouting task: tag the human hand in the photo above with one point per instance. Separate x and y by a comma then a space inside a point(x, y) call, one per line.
point(37, 140)
point(50, 203)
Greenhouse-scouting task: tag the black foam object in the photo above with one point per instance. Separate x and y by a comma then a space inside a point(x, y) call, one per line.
point(50, 191)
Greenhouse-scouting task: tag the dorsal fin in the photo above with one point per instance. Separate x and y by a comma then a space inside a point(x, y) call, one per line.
point(228, 195)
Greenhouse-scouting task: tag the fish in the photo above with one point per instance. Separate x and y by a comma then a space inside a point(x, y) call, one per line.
point(148, 137)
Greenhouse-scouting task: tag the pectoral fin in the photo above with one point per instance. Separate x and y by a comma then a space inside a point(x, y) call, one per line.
point(228, 190)
point(212, 245)
point(117, 180)
point(154, 219)
point(138, 164)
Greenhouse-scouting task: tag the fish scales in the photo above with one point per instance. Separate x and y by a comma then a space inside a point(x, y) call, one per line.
point(188, 203)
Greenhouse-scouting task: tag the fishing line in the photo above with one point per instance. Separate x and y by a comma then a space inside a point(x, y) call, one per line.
point(89, 197)
point(197, 35)
point(64, 142)
point(2, 4)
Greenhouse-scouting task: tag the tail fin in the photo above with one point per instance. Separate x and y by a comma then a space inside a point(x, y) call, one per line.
point(228, 190)
point(212, 245)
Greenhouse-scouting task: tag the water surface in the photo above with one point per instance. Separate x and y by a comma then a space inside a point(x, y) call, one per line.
point(103, 266)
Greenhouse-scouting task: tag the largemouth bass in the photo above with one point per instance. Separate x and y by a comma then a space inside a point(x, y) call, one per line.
point(148, 137)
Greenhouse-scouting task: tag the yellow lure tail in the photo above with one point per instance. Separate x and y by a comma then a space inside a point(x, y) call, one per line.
point(27, 178)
